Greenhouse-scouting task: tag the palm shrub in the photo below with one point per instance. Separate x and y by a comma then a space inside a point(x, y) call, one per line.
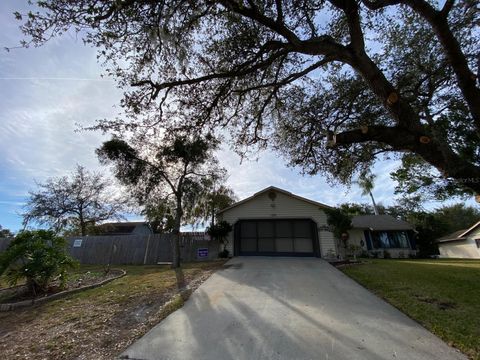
point(220, 232)
point(37, 256)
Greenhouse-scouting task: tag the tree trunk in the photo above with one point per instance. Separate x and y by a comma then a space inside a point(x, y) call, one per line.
point(435, 152)
point(83, 226)
point(176, 234)
point(375, 210)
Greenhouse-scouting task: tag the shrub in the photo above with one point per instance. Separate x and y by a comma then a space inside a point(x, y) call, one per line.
point(386, 254)
point(363, 254)
point(220, 232)
point(224, 254)
point(38, 257)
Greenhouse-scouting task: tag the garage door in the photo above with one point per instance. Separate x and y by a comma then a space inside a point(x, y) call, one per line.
point(279, 237)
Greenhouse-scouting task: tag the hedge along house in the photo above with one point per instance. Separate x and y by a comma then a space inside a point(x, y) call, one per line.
point(376, 234)
point(461, 244)
point(275, 222)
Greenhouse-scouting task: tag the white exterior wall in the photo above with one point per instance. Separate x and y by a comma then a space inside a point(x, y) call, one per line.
point(357, 235)
point(283, 207)
point(461, 249)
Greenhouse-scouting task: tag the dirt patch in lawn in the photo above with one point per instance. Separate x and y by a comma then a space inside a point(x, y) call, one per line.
point(442, 305)
point(101, 322)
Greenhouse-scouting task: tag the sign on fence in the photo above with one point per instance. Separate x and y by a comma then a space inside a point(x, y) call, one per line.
point(77, 242)
point(202, 252)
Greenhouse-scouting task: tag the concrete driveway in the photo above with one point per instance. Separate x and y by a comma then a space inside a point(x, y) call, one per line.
point(287, 308)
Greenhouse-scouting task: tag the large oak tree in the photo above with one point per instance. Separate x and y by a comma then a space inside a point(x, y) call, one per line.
point(331, 84)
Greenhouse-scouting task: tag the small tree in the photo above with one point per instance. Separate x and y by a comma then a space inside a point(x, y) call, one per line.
point(37, 256)
point(341, 223)
point(220, 232)
point(74, 202)
point(168, 169)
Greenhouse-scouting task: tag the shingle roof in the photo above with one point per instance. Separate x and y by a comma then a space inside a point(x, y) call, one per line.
point(457, 235)
point(380, 222)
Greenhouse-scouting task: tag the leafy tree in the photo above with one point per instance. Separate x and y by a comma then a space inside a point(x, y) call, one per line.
point(366, 184)
point(220, 232)
point(73, 202)
point(335, 83)
point(353, 209)
point(5, 233)
point(341, 223)
point(160, 214)
point(430, 225)
point(169, 170)
point(213, 199)
point(457, 217)
point(37, 256)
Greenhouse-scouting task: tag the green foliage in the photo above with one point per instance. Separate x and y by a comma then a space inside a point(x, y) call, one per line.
point(220, 232)
point(353, 209)
point(160, 215)
point(439, 222)
point(339, 221)
point(38, 257)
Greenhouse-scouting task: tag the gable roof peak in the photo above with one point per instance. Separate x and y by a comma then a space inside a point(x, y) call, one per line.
point(277, 189)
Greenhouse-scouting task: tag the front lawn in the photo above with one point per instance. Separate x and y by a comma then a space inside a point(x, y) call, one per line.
point(101, 322)
point(443, 295)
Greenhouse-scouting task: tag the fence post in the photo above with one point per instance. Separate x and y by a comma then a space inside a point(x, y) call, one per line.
point(146, 250)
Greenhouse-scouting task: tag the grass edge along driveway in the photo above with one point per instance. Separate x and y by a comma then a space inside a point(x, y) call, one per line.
point(443, 295)
point(101, 322)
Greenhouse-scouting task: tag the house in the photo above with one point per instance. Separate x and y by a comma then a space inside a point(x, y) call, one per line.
point(461, 244)
point(275, 222)
point(376, 234)
point(125, 228)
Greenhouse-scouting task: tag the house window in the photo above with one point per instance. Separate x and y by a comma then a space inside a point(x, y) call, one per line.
point(390, 239)
point(477, 241)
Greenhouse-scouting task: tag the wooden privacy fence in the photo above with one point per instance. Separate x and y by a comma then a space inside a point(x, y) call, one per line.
point(136, 249)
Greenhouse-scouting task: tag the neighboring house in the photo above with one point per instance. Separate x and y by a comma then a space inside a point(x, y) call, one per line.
point(379, 233)
point(275, 222)
point(461, 244)
point(125, 228)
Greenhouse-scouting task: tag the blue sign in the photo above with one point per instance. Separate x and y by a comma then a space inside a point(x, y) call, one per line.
point(202, 252)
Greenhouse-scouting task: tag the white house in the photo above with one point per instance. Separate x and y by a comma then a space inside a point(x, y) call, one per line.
point(275, 222)
point(461, 244)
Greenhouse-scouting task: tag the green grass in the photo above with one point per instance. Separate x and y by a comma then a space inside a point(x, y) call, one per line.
point(443, 295)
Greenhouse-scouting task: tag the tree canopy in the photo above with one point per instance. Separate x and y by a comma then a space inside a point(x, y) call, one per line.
point(164, 175)
point(331, 84)
point(73, 203)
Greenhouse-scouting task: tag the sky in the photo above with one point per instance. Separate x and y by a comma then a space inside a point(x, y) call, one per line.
point(46, 93)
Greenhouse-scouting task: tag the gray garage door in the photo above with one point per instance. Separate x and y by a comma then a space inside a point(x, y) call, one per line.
point(279, 237)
